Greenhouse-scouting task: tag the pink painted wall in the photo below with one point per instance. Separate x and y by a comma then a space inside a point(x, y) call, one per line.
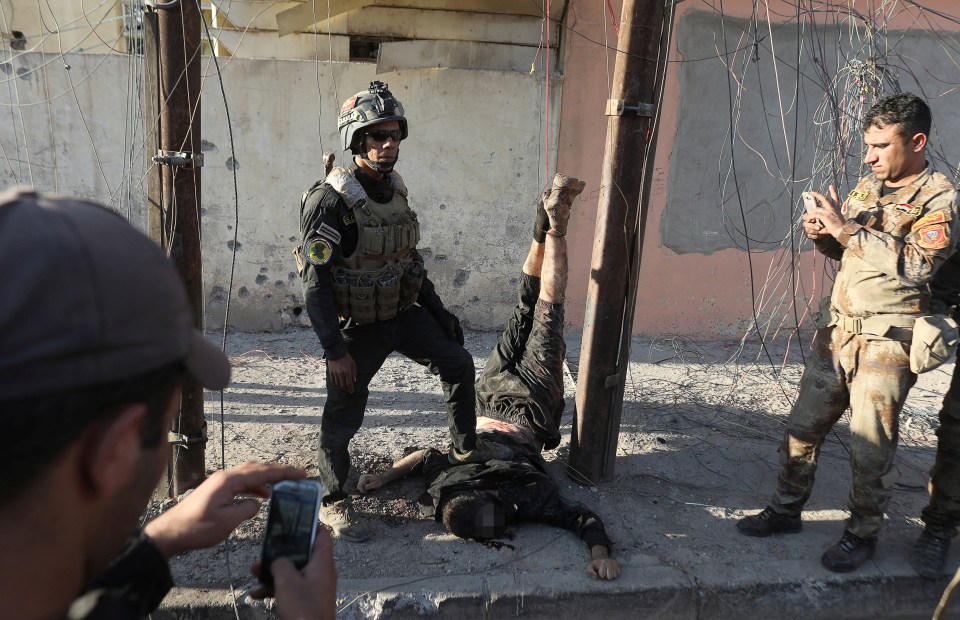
point(700, 296)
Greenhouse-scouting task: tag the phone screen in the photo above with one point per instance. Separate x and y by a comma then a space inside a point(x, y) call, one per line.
point(291, 525)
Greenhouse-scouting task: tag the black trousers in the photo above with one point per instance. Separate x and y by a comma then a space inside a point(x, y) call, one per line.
point(943, 513)
point(415, 334)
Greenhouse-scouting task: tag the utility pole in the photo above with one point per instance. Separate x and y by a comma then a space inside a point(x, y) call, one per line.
point(618, 240)
point(172, 121)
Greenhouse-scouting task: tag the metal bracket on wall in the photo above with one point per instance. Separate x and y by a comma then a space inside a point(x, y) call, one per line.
point(179, 439)
point(619, 107)
point(182, 159)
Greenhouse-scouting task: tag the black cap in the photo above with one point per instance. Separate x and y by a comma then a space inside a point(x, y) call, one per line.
point(86, 298)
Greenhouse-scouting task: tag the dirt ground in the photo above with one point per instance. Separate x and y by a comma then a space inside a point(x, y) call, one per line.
point(697, 450)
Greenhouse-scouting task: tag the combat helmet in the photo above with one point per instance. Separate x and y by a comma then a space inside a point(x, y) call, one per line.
point(374, 105)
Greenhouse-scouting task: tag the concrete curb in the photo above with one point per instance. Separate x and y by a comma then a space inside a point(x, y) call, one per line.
point(654, 592)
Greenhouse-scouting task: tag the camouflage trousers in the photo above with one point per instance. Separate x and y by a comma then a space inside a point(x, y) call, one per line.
point(872, 378)
point(943, 513)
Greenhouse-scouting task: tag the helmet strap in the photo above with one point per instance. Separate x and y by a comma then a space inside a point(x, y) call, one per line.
point(381, 167)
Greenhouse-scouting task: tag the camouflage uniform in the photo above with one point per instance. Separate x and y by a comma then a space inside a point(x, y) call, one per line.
point(942, 514)
point(889, 249)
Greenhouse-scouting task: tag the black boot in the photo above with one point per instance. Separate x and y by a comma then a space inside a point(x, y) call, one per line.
point(849, 553)
point(929, 554)
point(769, 522)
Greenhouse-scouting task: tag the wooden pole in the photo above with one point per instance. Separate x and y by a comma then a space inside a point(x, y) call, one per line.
point(618, 241)
point(172, 93)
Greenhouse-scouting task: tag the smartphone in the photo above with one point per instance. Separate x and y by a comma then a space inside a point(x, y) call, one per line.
point(291, 524)
point(809, 202)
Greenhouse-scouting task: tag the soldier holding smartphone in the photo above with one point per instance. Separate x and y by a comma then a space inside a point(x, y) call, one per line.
point(891, 234)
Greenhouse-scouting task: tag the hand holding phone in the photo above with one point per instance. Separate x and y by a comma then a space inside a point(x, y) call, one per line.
point(291, 524)
point(810, 203)
point(215, 508)
point(310, 592)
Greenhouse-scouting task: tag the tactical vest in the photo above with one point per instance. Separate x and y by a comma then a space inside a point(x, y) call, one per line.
point(381, 277)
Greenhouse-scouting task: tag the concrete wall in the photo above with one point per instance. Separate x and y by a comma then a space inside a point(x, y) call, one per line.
point(69, 127)
point(696, 278)
point(473, 164)
point(62, 26)
point(477, 156)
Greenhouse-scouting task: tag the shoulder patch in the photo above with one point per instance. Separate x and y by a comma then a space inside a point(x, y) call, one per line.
point(856, 195)
point(933, 237)
point(932, 218)
point(318, 251)
point(908, 209)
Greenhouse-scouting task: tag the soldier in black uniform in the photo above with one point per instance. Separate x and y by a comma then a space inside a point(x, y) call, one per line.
point(367, 295)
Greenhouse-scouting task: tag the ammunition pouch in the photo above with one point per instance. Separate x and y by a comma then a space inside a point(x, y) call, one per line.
point(412, 279)
point(369, 296)
point(934, 341)
point(363, 305)
point(400, 234)
point(388, 295)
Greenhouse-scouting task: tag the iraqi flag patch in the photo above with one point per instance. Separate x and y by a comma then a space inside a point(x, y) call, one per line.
point(908, 209)
point(933, 237)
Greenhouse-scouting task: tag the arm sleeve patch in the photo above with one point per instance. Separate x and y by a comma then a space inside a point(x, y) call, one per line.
point(318, 251)
point(933, 237)
point(934, 218)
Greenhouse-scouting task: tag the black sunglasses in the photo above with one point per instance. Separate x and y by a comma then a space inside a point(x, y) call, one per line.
point(380, 135)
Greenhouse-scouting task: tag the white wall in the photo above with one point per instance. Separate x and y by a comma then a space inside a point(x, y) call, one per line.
point(63, 26)
point(473, 163)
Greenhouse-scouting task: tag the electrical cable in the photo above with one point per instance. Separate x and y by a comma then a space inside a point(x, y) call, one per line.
point(233, 264)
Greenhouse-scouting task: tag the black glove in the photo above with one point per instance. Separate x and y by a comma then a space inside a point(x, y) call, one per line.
point(450, 324)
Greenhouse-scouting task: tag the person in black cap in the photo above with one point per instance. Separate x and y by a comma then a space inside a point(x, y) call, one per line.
point(96, 337)
point(367, 295)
